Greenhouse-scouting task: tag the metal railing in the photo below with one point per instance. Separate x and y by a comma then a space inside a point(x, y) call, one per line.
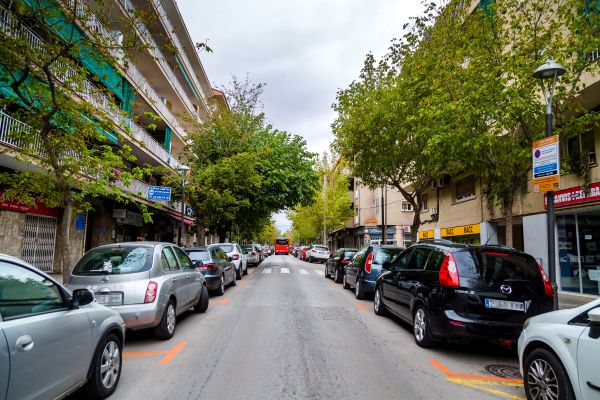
point(153, 145)
point(12, 131)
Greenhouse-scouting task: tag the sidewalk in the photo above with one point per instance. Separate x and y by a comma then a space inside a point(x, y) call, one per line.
point(572, 300)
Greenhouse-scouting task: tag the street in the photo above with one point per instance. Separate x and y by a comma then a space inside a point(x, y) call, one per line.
point(286, 332)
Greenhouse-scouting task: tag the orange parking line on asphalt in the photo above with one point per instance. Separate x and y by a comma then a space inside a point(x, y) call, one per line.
point(144, 353)
point(172, 353)
point(332, 284)
point(224, 300)
point(242, 283)
point(449, 373)
point(361, 307)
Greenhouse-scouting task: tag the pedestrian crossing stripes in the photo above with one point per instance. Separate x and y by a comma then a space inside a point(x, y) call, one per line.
point(285, 270)
point(301, 271)
point(266, 270)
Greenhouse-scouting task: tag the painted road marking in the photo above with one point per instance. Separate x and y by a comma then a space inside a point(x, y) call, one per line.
point(168, 355)
point(303, 272)
point(224, 300)
point(481, 382)
point(266, 270)
point(250, 271)
point(285, 270)
point(319, 272)
point(361, 307)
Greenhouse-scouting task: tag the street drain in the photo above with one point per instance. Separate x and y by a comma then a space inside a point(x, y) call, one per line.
point(504, 371)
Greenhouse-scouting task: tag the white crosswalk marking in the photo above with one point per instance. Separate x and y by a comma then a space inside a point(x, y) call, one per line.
point(319, 272)
point(266, 270)
point(285, 270)
point(303, 272)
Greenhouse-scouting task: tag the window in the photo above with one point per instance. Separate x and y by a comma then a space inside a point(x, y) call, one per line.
point(383, 255)
point(184, 261)
point(419, 258)
point(424, 206)
point(219, 255)
point(580, 148)
point(199, 255)
point(406, 206)
point(169, 262)
point(464, 189)
point(435, 261)
point(24, 292)
point(402, 261)
point(117, 260)
point(227, 248)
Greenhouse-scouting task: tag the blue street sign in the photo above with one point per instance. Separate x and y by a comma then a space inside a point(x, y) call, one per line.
point(80, 222)
point(159, 193)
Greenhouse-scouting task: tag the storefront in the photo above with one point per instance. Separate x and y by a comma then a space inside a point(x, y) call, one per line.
point(578, 239)
point(466, 234)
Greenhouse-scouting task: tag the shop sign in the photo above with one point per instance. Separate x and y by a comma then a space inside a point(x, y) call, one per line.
point(38, 209)
point(546, 164)
point(426, 235)
point(461, 230)
point(576, 195)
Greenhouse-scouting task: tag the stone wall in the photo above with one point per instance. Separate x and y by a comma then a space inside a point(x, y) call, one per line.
point(11, 232)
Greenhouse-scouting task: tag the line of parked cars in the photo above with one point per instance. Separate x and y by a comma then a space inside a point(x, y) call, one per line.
point(459, 293)
point(134, 285)
point(312, 253)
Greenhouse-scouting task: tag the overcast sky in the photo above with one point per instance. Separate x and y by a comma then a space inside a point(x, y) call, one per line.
point(304, 50)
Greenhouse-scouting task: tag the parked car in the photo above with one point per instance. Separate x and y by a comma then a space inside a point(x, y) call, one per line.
point(337, 262)
point(559, 353)
point(258, 249)
point(148, 283)
point(461, 292)
point(239, 259)
point(364, 268)
point(318, 253)
point(49, 347)
point(216, 266)
point(251, 256)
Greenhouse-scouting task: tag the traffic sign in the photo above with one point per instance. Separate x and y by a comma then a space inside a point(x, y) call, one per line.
point(546, 164)
point(159, 193)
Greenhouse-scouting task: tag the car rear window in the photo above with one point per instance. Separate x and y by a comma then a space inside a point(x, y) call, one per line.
point(349, 254)
point(116, 260)
point(321, 248)
point(385, 255)
point(496, 266)
point(198, 255)
point(227, 248)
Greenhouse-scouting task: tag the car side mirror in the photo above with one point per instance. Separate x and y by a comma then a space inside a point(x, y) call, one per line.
point(386, 266)
point(82, 297)
point(595, 323)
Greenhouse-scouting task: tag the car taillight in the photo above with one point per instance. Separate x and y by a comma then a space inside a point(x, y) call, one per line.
point(253, 253)
point(369, 263)
point(449, 272)
point(208, 266)
point(235, 256)
point(314, 251)
point(344, 261)
point(151, 292)
point(547, 285)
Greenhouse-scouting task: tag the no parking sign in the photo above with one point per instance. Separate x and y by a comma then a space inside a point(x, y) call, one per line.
point(546, 164)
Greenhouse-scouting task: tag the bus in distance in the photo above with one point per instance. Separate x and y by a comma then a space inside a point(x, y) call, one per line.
point(282, 246)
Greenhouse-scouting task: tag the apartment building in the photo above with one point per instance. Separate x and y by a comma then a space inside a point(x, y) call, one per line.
point(372, 209)
point(171, 85)
point(462, 213)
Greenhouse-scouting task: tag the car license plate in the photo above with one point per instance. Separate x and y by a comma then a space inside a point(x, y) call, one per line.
point(505, 305)
point(110, 299)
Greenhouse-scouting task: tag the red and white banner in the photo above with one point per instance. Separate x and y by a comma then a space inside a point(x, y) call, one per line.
point(573, 196)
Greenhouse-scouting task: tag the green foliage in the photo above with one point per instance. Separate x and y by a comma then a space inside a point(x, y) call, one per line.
point(268, 233)
point(244, 169)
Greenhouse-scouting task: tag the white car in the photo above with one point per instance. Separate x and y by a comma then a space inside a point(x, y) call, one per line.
point(318, 253)
point(238, 258)
point(559, 354)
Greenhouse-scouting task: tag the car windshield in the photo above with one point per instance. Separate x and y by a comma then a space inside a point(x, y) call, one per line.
point(282, 241)
point(115, 260)
point(384, 254)
point(321, 248)
point(198, 255)
point(496, 266)
point(227, 248)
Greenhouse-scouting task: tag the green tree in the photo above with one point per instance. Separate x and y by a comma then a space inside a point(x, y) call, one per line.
point(268, 233)
point(68, 127)
point(244, 169)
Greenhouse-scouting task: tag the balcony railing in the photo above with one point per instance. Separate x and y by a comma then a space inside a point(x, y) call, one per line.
point(153, 145)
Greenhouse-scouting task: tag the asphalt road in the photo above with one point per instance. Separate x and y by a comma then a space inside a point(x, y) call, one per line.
point(286, 332)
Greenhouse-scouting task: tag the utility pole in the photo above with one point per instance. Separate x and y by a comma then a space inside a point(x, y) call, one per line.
point(325, 208)
point(383, 227)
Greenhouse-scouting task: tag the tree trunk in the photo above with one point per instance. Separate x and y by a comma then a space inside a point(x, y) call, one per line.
point(222, 233)
point(508, 218)
point(65, 244)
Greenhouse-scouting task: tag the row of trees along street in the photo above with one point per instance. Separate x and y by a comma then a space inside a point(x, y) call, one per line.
point(331, 207)
point(455, 93)
point(243, 169)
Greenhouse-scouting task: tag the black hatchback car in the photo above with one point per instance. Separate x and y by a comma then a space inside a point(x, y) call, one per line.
point(362, 271)
point(336, 263)
point(461, 292)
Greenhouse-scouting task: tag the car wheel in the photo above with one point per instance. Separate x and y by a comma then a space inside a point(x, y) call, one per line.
point(421, 328)
point(545, 377)
point(358, 291)
point(378, 305)
point(336, 277)
point(166, 328)
point(327, 274)
point(202, 304)
point(345, 283)
point(239, 274)
point(220, 291)
point(235, 277)
point(310, 259)
point(246, 270)
point(107, 368)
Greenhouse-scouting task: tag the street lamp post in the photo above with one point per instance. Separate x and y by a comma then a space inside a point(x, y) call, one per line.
point(182, 169)
point(550, 72)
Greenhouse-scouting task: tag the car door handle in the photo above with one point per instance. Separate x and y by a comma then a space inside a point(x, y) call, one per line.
point(187, 276)
point(173, 280)
point(24, 343)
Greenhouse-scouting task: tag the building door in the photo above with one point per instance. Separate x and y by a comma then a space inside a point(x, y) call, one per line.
point(39, 239)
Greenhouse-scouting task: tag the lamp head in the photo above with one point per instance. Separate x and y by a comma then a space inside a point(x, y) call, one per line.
point(549, 70)
point(183, 168)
